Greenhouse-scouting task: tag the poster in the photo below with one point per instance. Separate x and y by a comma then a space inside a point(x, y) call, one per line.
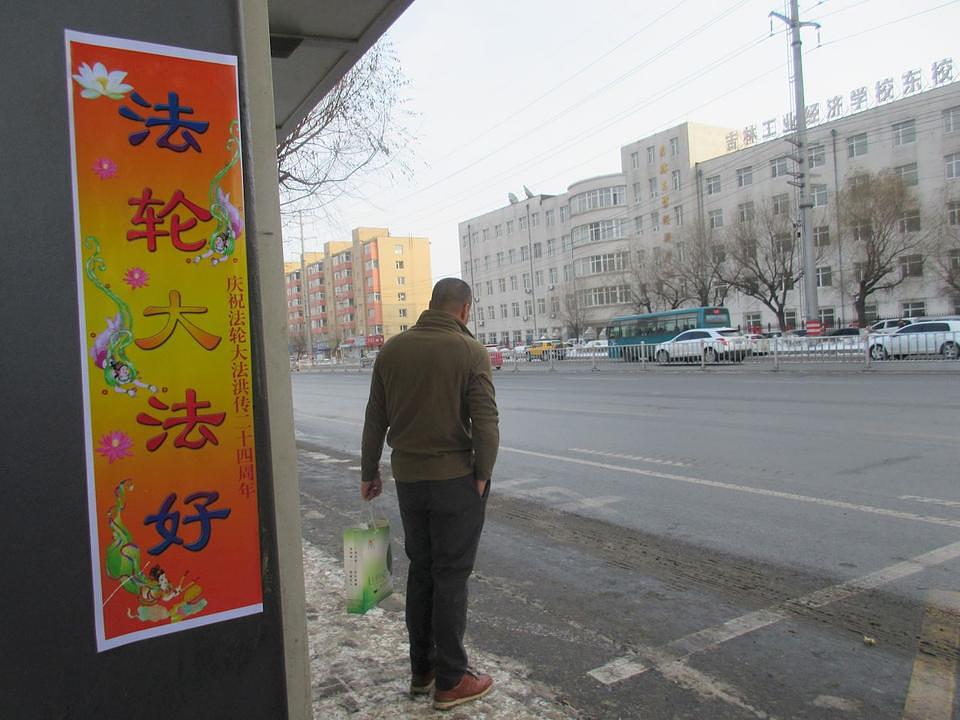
point(165, 336)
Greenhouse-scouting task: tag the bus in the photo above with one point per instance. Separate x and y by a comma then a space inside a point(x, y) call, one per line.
point(629, 335)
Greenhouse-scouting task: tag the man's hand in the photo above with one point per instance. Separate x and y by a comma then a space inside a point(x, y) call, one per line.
point(372, 488)
point(481, 486)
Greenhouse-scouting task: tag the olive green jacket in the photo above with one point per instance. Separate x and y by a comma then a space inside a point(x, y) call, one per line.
point(432, 398)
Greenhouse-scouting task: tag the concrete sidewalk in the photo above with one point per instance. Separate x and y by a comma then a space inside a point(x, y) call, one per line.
point(360, 668)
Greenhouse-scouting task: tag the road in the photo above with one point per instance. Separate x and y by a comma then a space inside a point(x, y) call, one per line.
point(728, 544)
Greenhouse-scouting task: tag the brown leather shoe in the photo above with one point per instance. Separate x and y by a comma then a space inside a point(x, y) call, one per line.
point(472, 686)
point(422, 684)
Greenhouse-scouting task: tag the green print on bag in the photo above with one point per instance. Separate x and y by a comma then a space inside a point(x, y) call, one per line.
point(367, 565)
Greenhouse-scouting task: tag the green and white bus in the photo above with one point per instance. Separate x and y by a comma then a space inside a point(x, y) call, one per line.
point(631, 335)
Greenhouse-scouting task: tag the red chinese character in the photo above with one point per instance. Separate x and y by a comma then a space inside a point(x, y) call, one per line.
point(191, 421)
point(152, 220)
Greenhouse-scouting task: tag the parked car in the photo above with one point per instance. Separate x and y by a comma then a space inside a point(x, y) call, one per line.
point(710, 344)
point(546, 349)
point(844, 332)
point(921, 337)
point(890, 325)
point(590, 349)
point(496, 356)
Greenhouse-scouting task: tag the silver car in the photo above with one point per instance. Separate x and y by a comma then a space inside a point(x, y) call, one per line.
point(928, 337)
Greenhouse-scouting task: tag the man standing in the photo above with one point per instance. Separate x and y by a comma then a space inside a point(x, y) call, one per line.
point(432, 398)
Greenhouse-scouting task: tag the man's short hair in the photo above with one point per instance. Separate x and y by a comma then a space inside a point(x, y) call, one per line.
point(450, 294)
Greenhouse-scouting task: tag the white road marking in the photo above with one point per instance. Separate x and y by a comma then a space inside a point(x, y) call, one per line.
point(630, 457)
point(839, 504)
point(934, 681)
point(681, 649)
point(931, 501)
point(499, 484)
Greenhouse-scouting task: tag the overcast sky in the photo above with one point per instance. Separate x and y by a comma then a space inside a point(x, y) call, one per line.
point(541, 93)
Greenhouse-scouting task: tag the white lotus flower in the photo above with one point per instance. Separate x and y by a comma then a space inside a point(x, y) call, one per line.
point(100, 83)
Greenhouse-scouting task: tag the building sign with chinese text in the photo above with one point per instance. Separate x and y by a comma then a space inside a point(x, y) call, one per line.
point(165, 337)
point(910, 83)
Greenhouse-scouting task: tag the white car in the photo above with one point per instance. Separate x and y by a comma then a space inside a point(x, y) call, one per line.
point(923, 337)
point(709, 344)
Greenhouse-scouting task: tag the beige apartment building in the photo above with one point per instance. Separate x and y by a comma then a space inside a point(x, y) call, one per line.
point(551, 266)
point(358, 293)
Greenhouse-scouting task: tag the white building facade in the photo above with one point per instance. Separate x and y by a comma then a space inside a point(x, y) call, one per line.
point(550, 266)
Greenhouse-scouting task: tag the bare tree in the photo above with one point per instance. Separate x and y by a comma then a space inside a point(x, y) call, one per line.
point(641, 281)
point(298, 345)
point(945, 246)
point(762, 257)
point(691, 272)
point(574, 313)
point(882, 219)
point(359, 128)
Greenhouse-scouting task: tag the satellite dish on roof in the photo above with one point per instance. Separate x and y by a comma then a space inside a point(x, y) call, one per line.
point(527, 191)
point(512, 198)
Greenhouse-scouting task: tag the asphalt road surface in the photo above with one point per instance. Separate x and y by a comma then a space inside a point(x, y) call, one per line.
point(729, 544)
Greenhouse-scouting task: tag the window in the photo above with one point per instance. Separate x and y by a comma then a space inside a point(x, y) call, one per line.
point(651, 154)
point(503, 311)
point(655, 221)
point(538, 278)
point(745, 212)
point(790, 319)
point(489, 287)
point(513, 282)
point(716, 218)
point(821, 236)
point(486, 234)
point(527, 308)
point(752, 320)
point(824, 276)
point(541, 305)
point(817, 156)
point(401, 297)
point(910, 222)
point(871, 312)
point(638, 224)
point(552, 275)
point(781, 204)
point(537, 250)
point(402, 312)
point(911, 266)
point(907, 173)
point(819, 194)
point(398, 264)
point(600, 198)
point(535, 219)
point(828, 317)
point(498, 230)
point(551, 247)
point(857, 145)
point(524, 253)
point(486, 262)
point(549, 217)
point(522, 220)
point(652, 183)
point(678, 215)
point(674, 146)
point(953, 166)
point(526, 281)
point(509, 226)
point(913, 309)
point(635, 160)
point(862, 232)
point(745, 176)
point(675, 178)
point(515, 309)
point(563, 213)
point(904, 132)
point(500, 258)
point(953, 212)
point(491, 312)
point(951, 120)
point(778, 167)
point(401, 280)
point(713, 185)
point(511, 256)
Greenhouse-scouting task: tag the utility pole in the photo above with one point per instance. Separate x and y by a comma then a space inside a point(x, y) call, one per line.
point(533, 295)
point(473, 287)
point(305, 292)
point(805, 203)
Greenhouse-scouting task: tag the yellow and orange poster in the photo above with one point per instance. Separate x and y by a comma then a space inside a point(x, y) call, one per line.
point(165, 336)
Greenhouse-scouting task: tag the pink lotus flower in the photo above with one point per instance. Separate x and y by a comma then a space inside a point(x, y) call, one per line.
point(115, 445)
point(105, 168)
point(136, 277)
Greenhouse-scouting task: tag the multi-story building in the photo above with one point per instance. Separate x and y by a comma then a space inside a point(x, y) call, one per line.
point(560, 265)
point(359, 293)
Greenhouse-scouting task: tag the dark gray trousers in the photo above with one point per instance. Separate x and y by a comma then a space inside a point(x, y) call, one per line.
point(442, 522)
